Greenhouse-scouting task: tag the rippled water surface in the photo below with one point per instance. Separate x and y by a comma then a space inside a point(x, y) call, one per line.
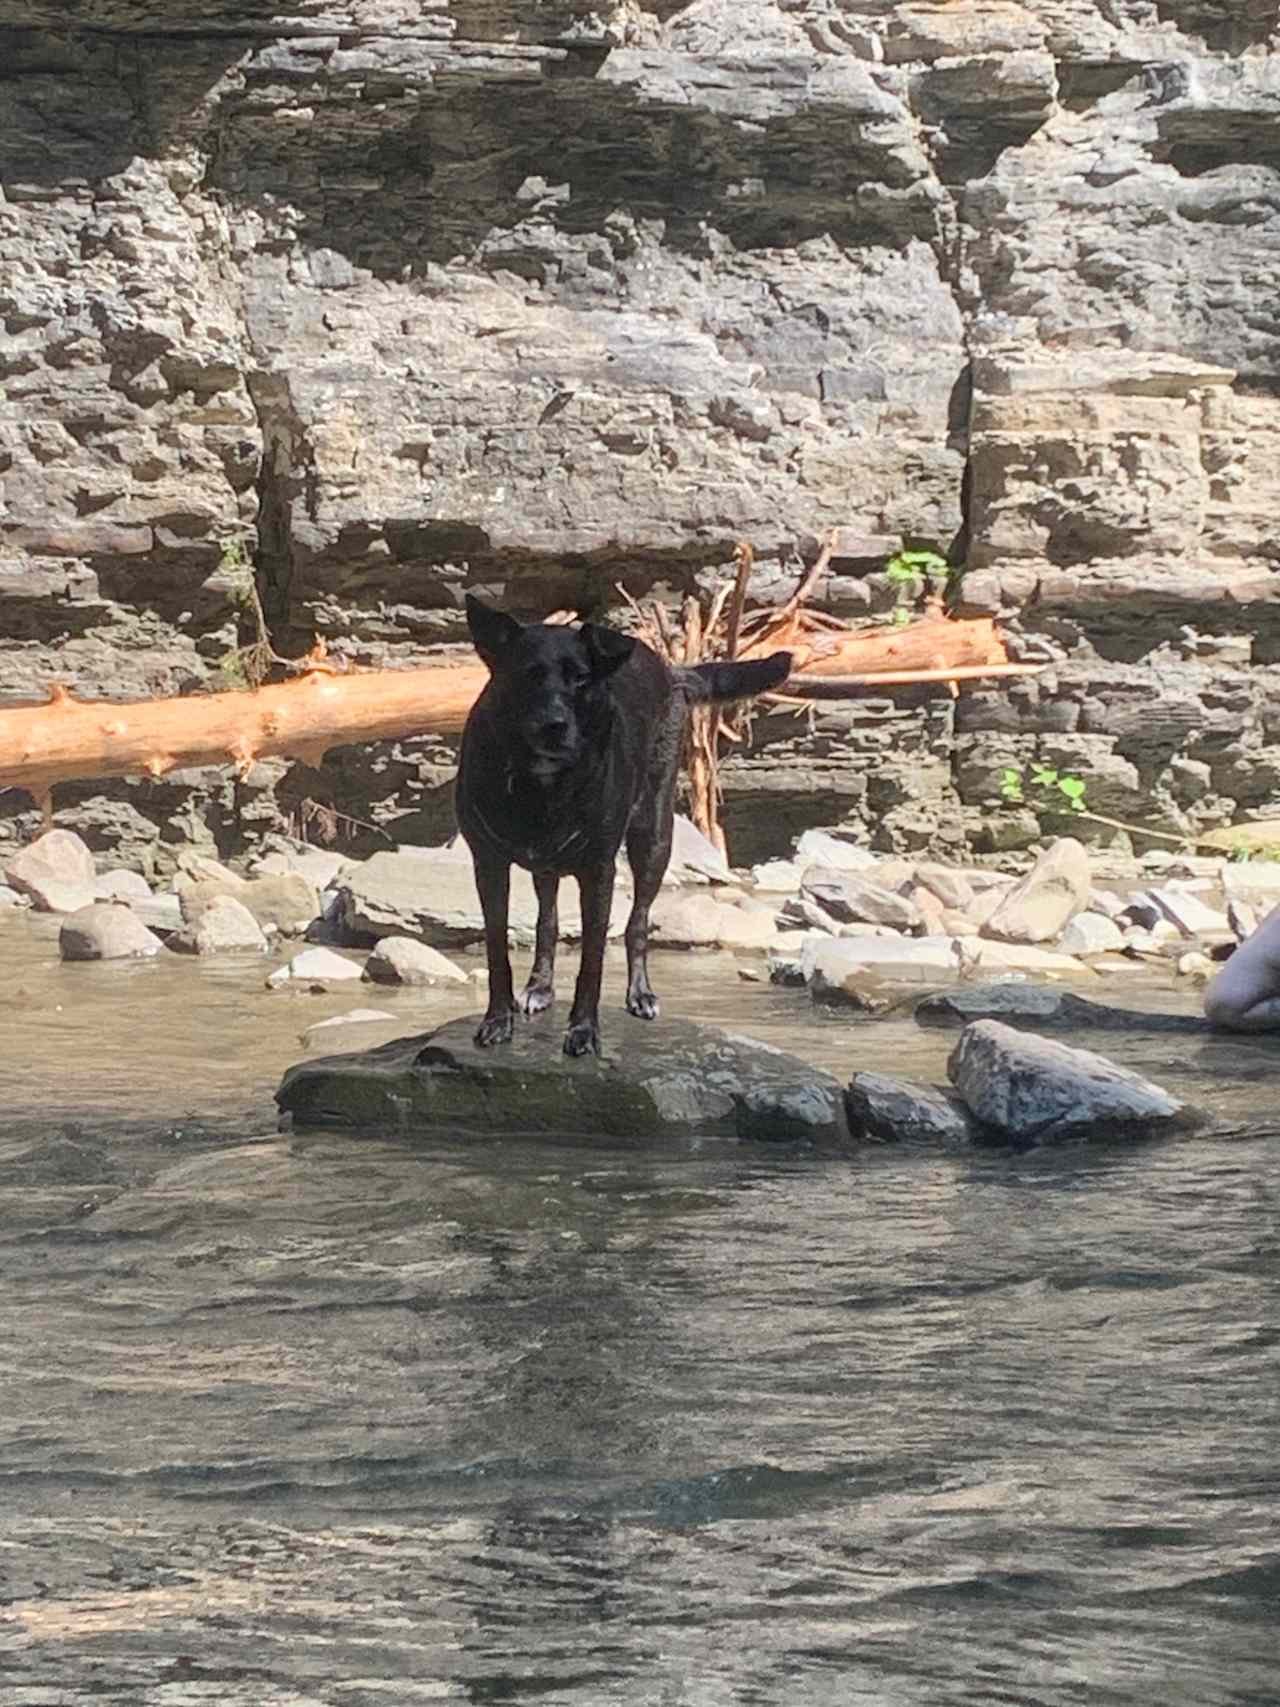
point(299, 1421)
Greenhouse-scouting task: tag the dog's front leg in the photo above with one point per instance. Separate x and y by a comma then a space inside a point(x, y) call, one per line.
point(493, 880)
point(539, 992)
point(596, 889)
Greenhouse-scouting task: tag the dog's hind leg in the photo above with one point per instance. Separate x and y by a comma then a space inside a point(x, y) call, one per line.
point(494, 883)
point(596, 888)
point(649, 851)
point(539, 992)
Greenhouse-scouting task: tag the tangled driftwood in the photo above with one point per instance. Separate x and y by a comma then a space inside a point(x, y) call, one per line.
point(324, 706)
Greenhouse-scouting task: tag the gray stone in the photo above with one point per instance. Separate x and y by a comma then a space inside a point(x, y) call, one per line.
point(1048, 897)
point(223, 926)
point(160, 913)
point(669, 1079)
point(1036, 1091)
point(312, 966)
point(852, 899)
point(321, 867)
point(777, 876)
point(952, 888)
point(1037, 1007)
point(106, 930)
point(404, 960)
point(699, 920)
point(884, 1110)
point(354, 1016)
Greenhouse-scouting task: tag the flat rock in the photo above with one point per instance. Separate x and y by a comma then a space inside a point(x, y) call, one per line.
point(952, 888)
point(853, 899)
point(1188, 913)
point(48, 895)
point(160, 913)
point(692, 920)
point(353, 1016)
point(884, 1110)
point(777, 876)
point(405, 960)
point(1039, 907)
point(222, 927)
point(319, 866)
point(430, 894)
point(315, 966)
point(661, 1080)
point(106, 930)
point(831, 849)
point(56, 862)
point(1036, 1007)
point(841, 967)
point(1034, 1090)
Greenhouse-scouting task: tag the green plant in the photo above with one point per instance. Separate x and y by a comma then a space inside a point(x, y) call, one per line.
point(907, 573)
point(1049, 782)
point(1244, 852)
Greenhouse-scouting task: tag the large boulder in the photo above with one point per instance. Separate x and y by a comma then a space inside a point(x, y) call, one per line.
point(106, 930)
point(666, 1079)
point(1038, 1007)
point(1041, 906)
point(1033, 1090)
point(280, 901)
point(56, 871)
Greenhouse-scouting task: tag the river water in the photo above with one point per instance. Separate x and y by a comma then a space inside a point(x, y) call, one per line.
point(333, 1421)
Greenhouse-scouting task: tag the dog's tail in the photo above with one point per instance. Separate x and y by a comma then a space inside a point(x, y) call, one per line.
point(705, 683)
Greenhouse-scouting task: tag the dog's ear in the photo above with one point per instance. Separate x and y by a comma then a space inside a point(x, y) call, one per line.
point(607, 650)
point(492, 631)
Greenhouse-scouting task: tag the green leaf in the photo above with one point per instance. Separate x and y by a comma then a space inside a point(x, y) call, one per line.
point(1043, 777)
point(1072, 787)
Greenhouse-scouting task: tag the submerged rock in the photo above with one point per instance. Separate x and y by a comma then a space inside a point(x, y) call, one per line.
point(1034, 1090)
point(315, 966)
point(1036, 1007)
point(668, 1079)
point(892, 1111)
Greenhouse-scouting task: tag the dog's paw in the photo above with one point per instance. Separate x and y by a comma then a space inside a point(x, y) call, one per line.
point(495, 1028)
point(535, 999)
point(583, 1038)
point(643, 1004)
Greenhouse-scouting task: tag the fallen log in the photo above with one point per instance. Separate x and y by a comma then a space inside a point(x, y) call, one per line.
point(68, 739)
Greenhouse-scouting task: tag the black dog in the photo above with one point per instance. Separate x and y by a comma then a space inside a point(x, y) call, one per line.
point(572, 749)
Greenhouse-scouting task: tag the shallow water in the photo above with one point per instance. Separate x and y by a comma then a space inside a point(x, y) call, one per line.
point(294, 1420)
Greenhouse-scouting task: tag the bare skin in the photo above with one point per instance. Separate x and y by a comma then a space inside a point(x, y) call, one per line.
point(1245, 996)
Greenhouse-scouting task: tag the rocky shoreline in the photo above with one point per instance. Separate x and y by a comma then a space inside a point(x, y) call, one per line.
point(853, 931)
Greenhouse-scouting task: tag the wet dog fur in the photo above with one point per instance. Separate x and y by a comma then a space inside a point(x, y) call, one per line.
point(571, 752)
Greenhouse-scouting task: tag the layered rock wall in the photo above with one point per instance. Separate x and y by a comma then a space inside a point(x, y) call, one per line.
point(548, 299)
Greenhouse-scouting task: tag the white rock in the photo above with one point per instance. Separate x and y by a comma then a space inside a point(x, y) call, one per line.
point(1188, 913)
point(833, 966)
point(11, 897)
point(223, 927)
point(58, 858)
point(354, 1016)
point(319, 866)
point(1053, 891)
point(315, 966)
point(830, 848)
point(850, 898)
point(122, 885)
point(778, 876)
point(405, 960)
point(1091, 933)
point(952, 888)
point(695, 858)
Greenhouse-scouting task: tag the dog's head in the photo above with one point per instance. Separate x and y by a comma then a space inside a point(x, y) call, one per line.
point(549, 683)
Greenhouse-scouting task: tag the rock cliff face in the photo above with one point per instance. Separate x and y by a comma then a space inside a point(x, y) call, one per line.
point(543, 297)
